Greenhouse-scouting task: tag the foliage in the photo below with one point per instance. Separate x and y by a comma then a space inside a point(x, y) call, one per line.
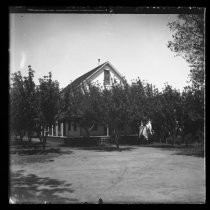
point(188, 42)
point(193, 111)
point(81, 105)
point(22, 99)
point(17, 121)
point(124, 106)
point(32, 107)
point(173, 113)
point(48, 99)
point(116, 108)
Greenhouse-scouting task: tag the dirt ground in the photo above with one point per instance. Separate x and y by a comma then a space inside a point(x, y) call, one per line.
point(133, 175)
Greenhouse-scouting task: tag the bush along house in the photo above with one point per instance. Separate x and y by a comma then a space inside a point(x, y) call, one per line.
point(104, 75)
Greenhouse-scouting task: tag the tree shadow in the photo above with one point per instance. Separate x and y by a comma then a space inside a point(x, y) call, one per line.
point(196, 152)
point(164, 145)
point(25, 144)
point(108, 148)
point(181, 149)
point(39, 151)
point(25, 189)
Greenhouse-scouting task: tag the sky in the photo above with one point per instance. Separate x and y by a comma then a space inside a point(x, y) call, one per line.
point(70, 45)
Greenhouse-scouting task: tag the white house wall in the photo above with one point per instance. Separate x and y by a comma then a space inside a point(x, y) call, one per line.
point(73, 132)
point(99, 76)
point(98, 132)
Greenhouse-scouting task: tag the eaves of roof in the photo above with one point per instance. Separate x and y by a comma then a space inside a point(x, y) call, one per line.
point(84, 77)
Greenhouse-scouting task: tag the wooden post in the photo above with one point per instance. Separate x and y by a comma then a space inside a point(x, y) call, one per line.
point(107, 130)
point(61, 129)
point(56, 129)
point(41, 131)
point(52, 131)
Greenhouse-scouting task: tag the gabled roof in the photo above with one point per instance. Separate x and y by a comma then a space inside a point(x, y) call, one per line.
point(85, 76)
point(82, 78)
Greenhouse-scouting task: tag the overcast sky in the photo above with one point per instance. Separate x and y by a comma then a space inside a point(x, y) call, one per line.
point(69, 45)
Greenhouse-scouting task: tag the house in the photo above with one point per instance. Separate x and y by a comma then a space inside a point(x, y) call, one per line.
point(104, 74)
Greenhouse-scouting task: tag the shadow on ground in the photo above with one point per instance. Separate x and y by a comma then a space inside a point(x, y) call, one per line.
point(34, 150)
point(189, 150)
point(25, 189)
point(196, 152)
point(100, 148)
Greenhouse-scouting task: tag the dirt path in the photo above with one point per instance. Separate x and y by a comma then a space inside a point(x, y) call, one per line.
point(134, 175)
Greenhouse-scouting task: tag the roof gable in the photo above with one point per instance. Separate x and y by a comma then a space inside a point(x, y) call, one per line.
point(106, 66)
point(91, 73)
point(82, 78)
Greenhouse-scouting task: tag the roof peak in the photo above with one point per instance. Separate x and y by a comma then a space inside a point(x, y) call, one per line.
point(82, 78)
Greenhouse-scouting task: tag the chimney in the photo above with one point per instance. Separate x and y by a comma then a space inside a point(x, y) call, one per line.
point(98, 62)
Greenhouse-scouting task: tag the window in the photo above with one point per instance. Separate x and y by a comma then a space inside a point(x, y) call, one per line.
point(106, 77)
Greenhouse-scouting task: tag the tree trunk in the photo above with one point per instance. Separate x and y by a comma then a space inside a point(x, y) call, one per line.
point(45, 134)
point(21, 137)
point(29, 137)
point(174, 139)
point(186, 141)
point(117, 143)
point(16, 136)
point(40, 135)
point(43, 138)
point(40, 138)
point(44, 142)
point(87, 132)
point(116, 135)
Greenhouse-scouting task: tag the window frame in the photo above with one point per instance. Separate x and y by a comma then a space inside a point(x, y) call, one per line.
point(107, 77)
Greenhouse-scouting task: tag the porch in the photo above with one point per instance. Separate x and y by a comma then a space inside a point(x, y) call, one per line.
point(81, 140)
point(71, 129)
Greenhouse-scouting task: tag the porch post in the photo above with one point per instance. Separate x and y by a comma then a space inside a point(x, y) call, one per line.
point(107, 130)
point(41, 131)
point(62, 129)
point(52, 131)
point(56, 129)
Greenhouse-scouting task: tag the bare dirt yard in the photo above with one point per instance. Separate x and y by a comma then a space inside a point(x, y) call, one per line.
point(136, 174)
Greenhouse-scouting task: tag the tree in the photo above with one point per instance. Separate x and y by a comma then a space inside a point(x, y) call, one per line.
point(137, 98)
point(83, 105)
point(29, 103)
point(188, 42)
point(116, 108)
point(193, 113)
point(17, 109)
point(171, 109)
point(90, 107)
point(48, 99)
point(22, 97)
